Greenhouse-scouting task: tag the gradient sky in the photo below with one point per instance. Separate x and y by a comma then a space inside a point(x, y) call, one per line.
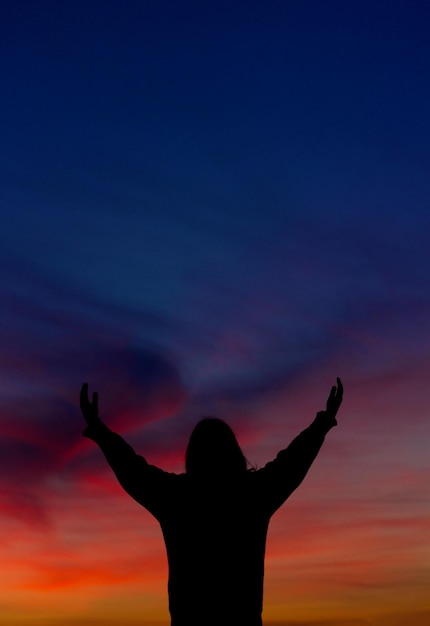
point(215, 208)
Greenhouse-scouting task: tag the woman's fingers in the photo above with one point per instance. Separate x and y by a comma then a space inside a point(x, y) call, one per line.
point(89, 409)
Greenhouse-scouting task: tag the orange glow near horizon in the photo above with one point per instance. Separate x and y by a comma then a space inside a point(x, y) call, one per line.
point(349, 547)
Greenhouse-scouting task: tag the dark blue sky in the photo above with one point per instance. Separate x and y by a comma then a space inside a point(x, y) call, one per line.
point(261, 173)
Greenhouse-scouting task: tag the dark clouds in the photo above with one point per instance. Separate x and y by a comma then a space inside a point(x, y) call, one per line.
point(51, 344)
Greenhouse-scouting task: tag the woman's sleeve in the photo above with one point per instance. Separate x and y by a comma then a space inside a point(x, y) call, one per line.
point(280, 477)
point(145, 483)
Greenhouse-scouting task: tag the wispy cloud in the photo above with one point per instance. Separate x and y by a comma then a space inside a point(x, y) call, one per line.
point(51, 343)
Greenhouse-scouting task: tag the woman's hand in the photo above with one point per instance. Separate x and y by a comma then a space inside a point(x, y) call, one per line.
point(90, 410)
point(335, 399)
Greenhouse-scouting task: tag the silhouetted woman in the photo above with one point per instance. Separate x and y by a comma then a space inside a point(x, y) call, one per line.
point(215, 516)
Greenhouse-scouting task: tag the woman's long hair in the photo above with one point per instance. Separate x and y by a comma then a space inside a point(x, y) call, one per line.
point(213, 450)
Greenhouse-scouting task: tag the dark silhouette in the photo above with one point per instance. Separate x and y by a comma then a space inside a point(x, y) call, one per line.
point(214, 517)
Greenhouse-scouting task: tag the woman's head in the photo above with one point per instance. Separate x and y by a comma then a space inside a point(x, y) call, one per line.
point(213, 450)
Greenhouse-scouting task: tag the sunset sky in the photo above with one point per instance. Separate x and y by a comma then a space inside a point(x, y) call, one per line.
point(215, 208)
